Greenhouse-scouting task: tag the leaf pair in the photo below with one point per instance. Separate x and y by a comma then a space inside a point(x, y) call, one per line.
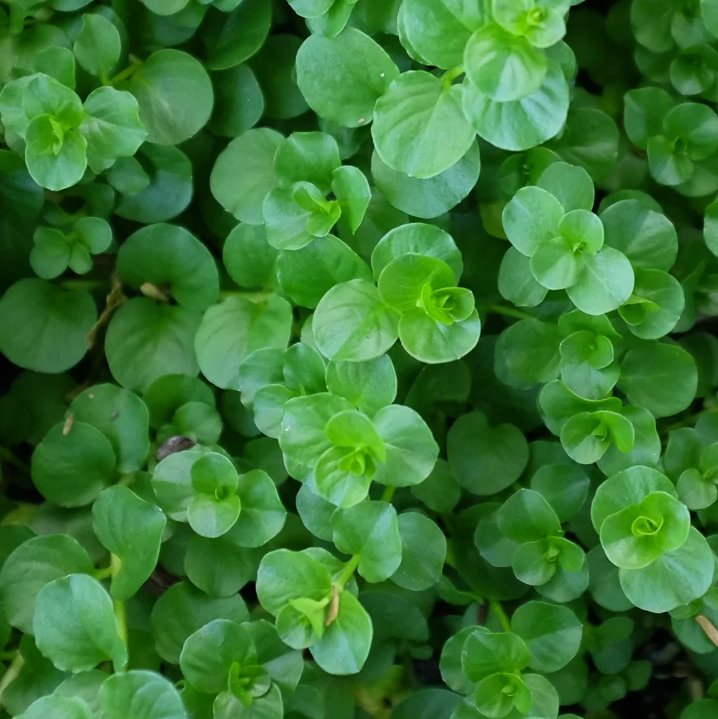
point(680, 139)
point(645, 531)
point(205, 489)
point(417, 268)
point(553, 226)
point(304, 591)
point(61, 135)
point(347, 451)
point(55, 251)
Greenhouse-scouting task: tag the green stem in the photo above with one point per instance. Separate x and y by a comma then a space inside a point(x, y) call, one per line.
point(12, 673)
point(510, 312)
point(120, 607)
point(348, 572)
point(500, 615)
point(690, 420)
point(83, 284)
point(103, 573)
point(449, 76)
point(388, 494)
point(16, 20)
point(251, 296)
point(8, 456)
point(127, 73)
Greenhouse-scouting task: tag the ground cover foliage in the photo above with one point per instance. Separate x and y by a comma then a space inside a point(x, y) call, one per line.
point(359, 359)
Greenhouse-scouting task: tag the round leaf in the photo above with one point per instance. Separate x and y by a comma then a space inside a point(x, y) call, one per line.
point(42, 327)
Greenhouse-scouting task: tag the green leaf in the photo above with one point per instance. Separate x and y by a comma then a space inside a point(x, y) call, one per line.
point(428, 198)
point(502, 65)
point(263, 514)
point(590, 140)
point(172, 483)
point(531, 219)
point(142, 694)
point(431, 340)
point(146, 340)
point(660, 377)
point(420, 239)
point(307, 157)
point(674, 579)
point(219, 566)
point(285, 575)
point(175, 96)
point(342, 78)
point(131, 529)
point(243, 174)
point(31, 566)
point(643, 115)
point(604, 283)
point(694, 491)
point(75, 626)
point(164, 254)
point(527, 517)
point(344, 646)
point(522, 123)
point(121, 416)
point(371, 530)
point(235, 34)
point(625, 489)
point(98, 45)
point(437, 32)
point(638, 535)
point(402, 282)
point(43, 327)
point(59, 707)
point(308, 273)
point(209, 653)
point(555, 266)
point(485, 460)
point(571, 186)
point(656, 305)
point(303, 436)
point(530, 350)
point(499, 694)
point(248, 257)
point(605, 587)
point(645, 236)
point(211, 516)
point(352, 192)
point(169, 191)
point(238, 101)
point(411, 450)
point(56, 158)
point(486, 653)
point(352, 323)
point(311, 8)
point(700, 708)
point(564, 486)
point(72, 468)
point(369, 385)
point(587, 436)
point(267, 706)
point(112, 127)
point(552, 634)
point(231, 331)
point(182, 610)
point(533, 564)
point(423, 551)
point(419, 127)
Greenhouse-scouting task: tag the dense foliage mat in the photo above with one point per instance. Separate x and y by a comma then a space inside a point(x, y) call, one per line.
point(359, 359)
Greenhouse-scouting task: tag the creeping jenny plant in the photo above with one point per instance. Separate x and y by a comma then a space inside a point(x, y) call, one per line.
point(359, 359)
